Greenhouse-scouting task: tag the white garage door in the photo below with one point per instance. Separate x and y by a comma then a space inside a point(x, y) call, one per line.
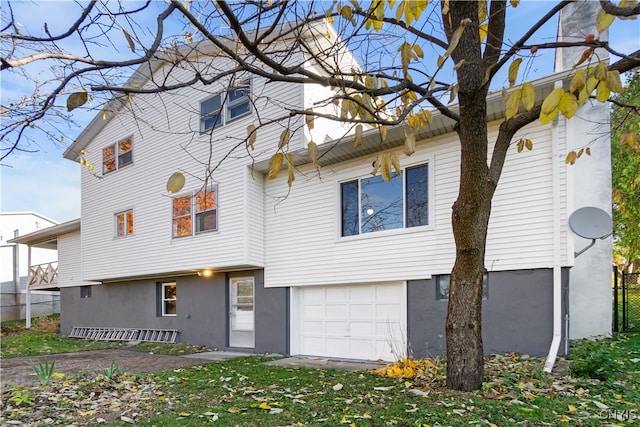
point(352, 322)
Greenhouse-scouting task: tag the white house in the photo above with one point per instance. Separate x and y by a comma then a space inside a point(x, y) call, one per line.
point(340, 265)
point(15, 260)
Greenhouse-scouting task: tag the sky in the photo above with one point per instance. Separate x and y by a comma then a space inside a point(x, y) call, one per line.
point(46, 183)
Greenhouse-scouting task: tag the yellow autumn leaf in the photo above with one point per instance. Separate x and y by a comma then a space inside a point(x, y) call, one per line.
point(513, 102)
point(528, 98)
point(357, 138)
point(484, 30)
point(455, 38)
point(580, 153)
point(552, 100)
point(528, 144)
point(91, 166)
point(602, 91)
point(604, 20)
point(440, 61)
point(264, 405)
point(275, 164)
point(251, 135)
point(418, 51)
point(613, 81)
point(601, 71)
point(234, 410)
point(409, 143)
point(514, 3)
point(309, 117)
point(385, 166)
point(588, 151)
point(285, 136)
point(290, 170)
point(572, 408)
point(592, 82)
point(132, 45)
point(312, 150)
point(395, 163)
point(175, 182)
point(520, 145)
point(345, 108)
point(568, 104)
point(454, 93)
point(405, 56)
point(579, 81)
point(383, 133)
point(346, 12)
point(83, 162)
point(76, 99)
point(571, 157)
point(513, 71)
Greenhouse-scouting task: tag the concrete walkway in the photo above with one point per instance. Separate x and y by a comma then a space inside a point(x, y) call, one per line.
point(294, 361)
point(320, 363)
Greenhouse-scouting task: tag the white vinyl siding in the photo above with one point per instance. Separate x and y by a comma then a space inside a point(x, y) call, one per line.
point(239, 241)
point(520, 230)
point(69, 264)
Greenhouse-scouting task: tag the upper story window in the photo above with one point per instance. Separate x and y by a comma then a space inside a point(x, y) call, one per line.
point(124, 223)
point(195, 213)
point(372, 204)
point(225, 106)
point(117, 155)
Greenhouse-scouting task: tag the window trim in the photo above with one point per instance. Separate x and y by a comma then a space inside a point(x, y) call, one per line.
point(224, 112)
point(194, 213)
point(126, 213)
point(424, 160)
point(163, 300)
point(117, 155)
point(85, 292)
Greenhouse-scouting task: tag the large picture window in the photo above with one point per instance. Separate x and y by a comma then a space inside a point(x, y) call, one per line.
point(372, 204)
point(169, 299)
point(195, 213)
point(226, 106)
point(117, 155)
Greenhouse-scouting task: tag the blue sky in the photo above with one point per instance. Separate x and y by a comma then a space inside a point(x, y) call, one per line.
point(46, 183)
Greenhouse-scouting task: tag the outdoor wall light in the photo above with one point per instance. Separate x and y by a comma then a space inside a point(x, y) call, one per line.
point(206, 273)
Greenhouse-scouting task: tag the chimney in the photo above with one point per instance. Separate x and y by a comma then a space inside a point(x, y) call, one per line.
point(577, 20)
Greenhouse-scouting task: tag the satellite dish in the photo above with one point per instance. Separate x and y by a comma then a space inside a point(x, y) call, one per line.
point(591, 223)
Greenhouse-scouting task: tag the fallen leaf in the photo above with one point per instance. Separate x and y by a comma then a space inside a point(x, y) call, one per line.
point(337, 387)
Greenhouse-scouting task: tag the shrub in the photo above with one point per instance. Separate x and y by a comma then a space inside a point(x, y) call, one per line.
point(592, 359)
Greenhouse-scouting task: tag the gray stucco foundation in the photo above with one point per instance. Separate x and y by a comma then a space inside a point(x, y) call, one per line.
point(201, 313)
point(517, 315)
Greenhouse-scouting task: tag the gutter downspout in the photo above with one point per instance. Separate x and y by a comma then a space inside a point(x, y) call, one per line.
point(557, 272)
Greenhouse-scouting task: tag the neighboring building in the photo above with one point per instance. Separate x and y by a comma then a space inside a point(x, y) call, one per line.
point(15, 260)
point(340, 265)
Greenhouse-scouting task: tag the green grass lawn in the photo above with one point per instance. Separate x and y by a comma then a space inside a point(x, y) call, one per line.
point(44, 338)
point(600, 387)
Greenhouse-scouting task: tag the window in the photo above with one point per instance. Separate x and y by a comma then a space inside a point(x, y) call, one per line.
point(112, 161)
point(124, 223)
point(85, 291)
point(372, 204)
point(443, 282)
point(195, 213)
point(225, 107)
point(169, 299)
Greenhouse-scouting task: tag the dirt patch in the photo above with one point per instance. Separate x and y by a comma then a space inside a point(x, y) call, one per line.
point(18, 371)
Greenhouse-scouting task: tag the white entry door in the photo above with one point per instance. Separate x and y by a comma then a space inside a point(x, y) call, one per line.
point(241, 318)
point(353, 322)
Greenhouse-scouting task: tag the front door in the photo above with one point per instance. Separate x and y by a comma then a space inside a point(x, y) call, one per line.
point(241, 318)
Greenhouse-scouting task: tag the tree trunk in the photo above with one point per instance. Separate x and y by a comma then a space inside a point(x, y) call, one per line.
point(470, 216)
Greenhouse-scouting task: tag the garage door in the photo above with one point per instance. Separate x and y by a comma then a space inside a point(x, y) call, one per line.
point(353, 322)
